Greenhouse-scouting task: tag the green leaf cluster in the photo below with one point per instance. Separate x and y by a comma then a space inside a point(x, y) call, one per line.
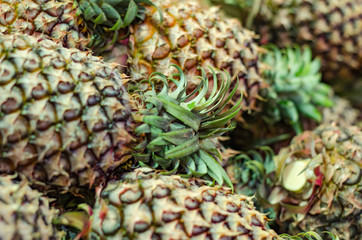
point(107, 17)
point(249, 168)
point(295, 86)
point(310, 235)
point(179, 126)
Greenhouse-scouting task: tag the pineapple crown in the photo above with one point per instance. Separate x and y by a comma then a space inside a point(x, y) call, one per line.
point(295, 86)
point(310, 235)
point(110, 16)
point(249, 168)
point(179, 126)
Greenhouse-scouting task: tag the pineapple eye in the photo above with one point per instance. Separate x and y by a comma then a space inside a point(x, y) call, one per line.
point(141, 226)
point(112, 221)
point(131, 196)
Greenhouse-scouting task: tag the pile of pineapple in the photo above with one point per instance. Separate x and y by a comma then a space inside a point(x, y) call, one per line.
point(194, 119)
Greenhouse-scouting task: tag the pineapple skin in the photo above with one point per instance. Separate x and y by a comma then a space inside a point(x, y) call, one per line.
point(24, 213)
point(192, 35)
point(65, 115)
point(332, 27)
point(342, 113)
point(331, 199)
point(146, 204)
point(57, 19)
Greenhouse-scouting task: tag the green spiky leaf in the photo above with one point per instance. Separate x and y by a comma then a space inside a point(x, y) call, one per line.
point(178, 126)
point(295, 88)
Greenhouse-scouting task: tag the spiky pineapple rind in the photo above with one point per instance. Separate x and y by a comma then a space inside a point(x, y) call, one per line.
point(146, 204)
point(25, 213)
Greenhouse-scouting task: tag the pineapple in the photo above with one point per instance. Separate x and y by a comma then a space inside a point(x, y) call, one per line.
point(78, 24)
point(317, 183)
point(191, 35)
point(145, 204)
point(24, 212)
point(247, 169)
point(332, 27)
point(67, 119)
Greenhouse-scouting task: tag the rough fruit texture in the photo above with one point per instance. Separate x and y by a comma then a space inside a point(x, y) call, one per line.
point(65, 115)
point(147, 205)
point(342, 113)
point(24, 213)
point(57, 19)
point(332, 27)
point(332, 194)
point(192, 35)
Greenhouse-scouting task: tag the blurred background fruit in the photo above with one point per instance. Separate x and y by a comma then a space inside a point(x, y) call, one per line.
point(331, 27)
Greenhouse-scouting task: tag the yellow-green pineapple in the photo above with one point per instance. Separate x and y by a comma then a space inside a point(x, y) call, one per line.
point(192, 35)
point(25, 213)
point(145, 204)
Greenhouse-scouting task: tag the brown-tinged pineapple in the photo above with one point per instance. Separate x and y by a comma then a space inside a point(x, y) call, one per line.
point(332, 27)
point(57, 19)
point(317, 182)
point(341, 114)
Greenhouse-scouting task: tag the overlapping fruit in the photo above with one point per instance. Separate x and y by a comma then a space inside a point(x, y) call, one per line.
point(112, 114)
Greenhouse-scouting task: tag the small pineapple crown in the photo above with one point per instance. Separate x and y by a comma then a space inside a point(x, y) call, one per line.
point(110, 16)
point(249, 168)
point(326, 147)
point(295, 86)
point(310, 235)
point(179, 126)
